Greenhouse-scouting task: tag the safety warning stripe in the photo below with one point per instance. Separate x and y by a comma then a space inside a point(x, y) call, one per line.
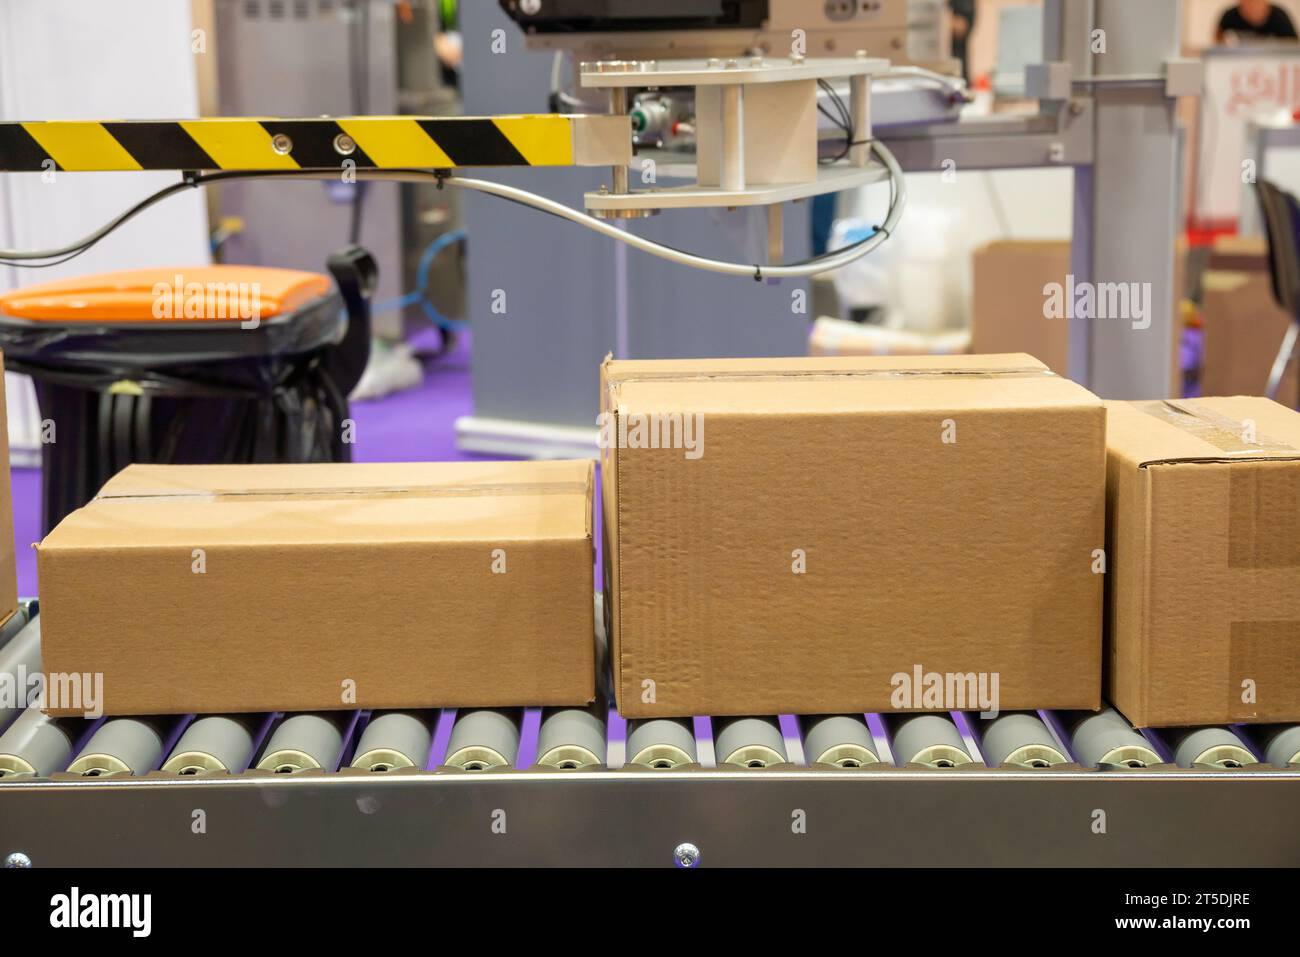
point(369, 142)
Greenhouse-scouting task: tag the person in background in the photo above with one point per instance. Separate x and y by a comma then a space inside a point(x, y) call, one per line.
point(963, 21)
point(1255, 19)
point(447, 43)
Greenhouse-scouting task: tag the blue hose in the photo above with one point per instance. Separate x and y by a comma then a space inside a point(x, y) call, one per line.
point(421, 293)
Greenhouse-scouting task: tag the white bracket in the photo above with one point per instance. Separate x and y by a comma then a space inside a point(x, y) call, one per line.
point(755, 128)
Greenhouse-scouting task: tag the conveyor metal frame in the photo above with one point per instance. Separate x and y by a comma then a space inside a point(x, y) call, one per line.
point(878, 816)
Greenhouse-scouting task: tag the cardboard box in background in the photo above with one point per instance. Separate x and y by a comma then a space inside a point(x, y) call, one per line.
point(1203, 532)
point(267, 587)
point(1239, 254)
point(1008, 300)
point(944, 512)
point(8, 563)
point(1243, 328)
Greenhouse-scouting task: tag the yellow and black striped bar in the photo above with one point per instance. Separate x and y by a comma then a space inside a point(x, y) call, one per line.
point(369, 142)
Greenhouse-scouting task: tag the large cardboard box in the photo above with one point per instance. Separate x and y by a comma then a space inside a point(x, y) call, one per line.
point(309, 587)
point(1203, 604)
point(806, 535)
point(1243, 328)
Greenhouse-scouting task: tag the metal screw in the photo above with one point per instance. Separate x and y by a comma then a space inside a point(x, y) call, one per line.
point(714, 63)
point(530, 8)
point(281, 143)
point(20, 860)
point(686, 855)
point(344, 145)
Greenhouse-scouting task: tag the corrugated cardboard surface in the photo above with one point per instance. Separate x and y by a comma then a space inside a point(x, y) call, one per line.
point(8, 566)
point(317, 575)
point(965, 557)
point(1203, 606)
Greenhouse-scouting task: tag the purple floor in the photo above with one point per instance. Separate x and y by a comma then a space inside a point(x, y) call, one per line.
point(414, 426)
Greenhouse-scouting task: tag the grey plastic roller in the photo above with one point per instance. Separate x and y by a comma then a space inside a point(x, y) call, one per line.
point(484, 739)
point(1281, 744)
point(122, 746)
point(748, 742)
point(571, 738)
point(843, 740)
point(38, 745)
point(13, 625)
point(20, 658)
point(1215, 747)
point(304, 742)
point(661, 742)
point(929, 739)
point(215, 742)
point(1019, 738)
point(1105, 737)
point(395, 739)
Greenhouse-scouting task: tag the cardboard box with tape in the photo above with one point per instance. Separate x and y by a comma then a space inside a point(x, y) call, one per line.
point(810, 535)
point(1203, 605)
point(311, 587)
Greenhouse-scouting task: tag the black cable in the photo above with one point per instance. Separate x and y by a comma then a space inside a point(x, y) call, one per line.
point(845, 123)
point(62, 255)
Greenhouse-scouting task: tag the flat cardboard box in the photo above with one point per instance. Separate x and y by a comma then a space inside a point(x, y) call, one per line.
point(314, 587)
point(1203, 600)
point(1243, 329)
point(965, 557)
point(8, 564)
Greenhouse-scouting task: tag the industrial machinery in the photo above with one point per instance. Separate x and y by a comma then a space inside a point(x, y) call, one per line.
point(581, 787)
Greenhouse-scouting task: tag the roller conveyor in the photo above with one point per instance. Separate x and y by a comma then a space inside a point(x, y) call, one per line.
point(532, 786)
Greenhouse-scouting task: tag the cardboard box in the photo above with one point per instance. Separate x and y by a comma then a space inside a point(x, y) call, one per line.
point(1203, 608)
point(285, 587)
point(1239, 254)
point(1008, 298)
point(827, 525)
point(1243, 328)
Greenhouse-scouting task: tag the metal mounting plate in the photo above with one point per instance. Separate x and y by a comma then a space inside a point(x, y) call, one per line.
point(830, 179)
point(602, 74)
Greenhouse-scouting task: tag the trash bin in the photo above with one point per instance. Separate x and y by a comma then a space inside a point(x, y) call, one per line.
point(196, 365)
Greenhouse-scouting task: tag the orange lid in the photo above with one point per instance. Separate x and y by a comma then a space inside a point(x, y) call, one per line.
point(193, 293)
